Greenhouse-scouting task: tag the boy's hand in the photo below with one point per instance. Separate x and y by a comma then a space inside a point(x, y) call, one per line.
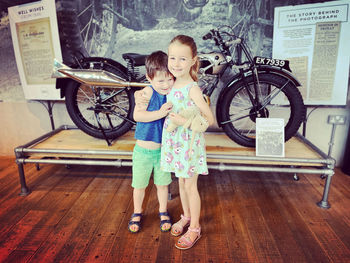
point(166, 108)
point(177, 119)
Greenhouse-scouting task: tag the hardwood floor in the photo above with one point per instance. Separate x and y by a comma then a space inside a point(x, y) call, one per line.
point(81, 214)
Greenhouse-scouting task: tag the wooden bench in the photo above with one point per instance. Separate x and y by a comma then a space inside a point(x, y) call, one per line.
point(69, 146)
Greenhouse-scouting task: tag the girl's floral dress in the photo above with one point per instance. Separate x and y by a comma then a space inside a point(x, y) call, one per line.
point(175, 155)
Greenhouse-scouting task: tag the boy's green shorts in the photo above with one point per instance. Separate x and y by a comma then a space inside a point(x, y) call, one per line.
point(143, 162)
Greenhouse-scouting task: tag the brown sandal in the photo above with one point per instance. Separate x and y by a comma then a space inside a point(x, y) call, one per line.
point(177, 228)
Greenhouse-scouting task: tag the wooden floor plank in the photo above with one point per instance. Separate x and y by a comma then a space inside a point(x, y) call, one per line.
point(80, 221)
point(14, 207)
point(147, 243)
point(81, 215)
point(33, 235)
point(123, 247)
point(267, 196)
point(338, 216)
point(339, 193)
point(19, 256)
point(104, 237)
point(316, 220)
point(8, 186)
point(6, 162)
point(295, 224)
point(214, 231)
point(166, 250)
point(259, 231)
point(240, 244)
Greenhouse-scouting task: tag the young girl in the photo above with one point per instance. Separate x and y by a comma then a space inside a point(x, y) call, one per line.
point(175, 156)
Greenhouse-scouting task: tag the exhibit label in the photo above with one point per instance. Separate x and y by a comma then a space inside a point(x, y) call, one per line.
point(36, 43)
point(315, 39)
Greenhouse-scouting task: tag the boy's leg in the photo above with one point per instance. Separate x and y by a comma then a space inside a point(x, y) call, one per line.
point(141, 173)
point(138, 196)
point(162, 180)
point(162, 194)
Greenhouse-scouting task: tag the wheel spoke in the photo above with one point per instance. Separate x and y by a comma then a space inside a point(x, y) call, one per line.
point(111, 106)
point(86, 28)
point(84, 10)
point(85, 95)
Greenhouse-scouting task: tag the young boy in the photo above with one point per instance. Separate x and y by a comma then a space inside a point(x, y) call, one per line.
point(148, 134)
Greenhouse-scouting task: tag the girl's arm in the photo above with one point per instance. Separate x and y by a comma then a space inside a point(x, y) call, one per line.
point(140, 112)
point(197, 96)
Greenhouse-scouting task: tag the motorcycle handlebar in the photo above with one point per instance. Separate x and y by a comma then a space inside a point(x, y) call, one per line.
point(207, 36)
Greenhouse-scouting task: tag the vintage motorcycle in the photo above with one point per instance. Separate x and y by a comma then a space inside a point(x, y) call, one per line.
point(99, 92)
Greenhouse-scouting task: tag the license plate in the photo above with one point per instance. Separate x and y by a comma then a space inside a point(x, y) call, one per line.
point(281, 63)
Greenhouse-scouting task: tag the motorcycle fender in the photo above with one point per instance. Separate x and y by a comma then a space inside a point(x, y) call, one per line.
point(281, 72)
point(61, 83)
point(261, 69)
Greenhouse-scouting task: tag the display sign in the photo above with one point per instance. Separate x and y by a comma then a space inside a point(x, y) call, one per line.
point(315, 39)
point(269, 137)
point(36, 43)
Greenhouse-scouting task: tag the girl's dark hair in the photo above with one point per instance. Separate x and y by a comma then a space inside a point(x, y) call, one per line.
point(188, 41)
point(157, 61)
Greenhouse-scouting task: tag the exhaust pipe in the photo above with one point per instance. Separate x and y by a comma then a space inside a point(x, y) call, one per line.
point(92, 77)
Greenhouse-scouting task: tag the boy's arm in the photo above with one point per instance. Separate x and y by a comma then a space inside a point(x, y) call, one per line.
point(140, 112)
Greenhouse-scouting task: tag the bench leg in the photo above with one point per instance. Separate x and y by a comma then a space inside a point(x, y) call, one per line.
point(324, 202)
point(24, 189)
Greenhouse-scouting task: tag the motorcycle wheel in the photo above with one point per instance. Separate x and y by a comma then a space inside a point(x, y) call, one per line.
point(279, 98)
point(114, 107)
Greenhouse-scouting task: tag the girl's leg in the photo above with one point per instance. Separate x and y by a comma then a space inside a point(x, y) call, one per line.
point(162, 193)
point(139, 194)
point(176, 230)
point(184, 198)
point(194, 202)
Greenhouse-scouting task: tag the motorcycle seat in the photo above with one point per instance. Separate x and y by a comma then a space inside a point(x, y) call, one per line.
point(135, 59)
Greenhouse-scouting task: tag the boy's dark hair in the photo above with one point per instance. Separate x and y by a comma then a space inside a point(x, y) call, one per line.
point(157, 61)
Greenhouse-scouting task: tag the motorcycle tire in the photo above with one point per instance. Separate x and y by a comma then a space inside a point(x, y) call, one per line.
point(114, 107)
point(279, 98)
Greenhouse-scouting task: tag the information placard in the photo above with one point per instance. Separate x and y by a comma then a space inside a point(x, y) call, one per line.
point(36, 43)
point(315, 39)
point(269, 137)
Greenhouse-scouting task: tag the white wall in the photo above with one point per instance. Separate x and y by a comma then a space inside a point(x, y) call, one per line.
point(24, 121)
point(318, 131)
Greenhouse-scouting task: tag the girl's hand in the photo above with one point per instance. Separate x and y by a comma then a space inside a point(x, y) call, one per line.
point(177, 119)
point(166, 108)
point(141, 98)
point(197, 96)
